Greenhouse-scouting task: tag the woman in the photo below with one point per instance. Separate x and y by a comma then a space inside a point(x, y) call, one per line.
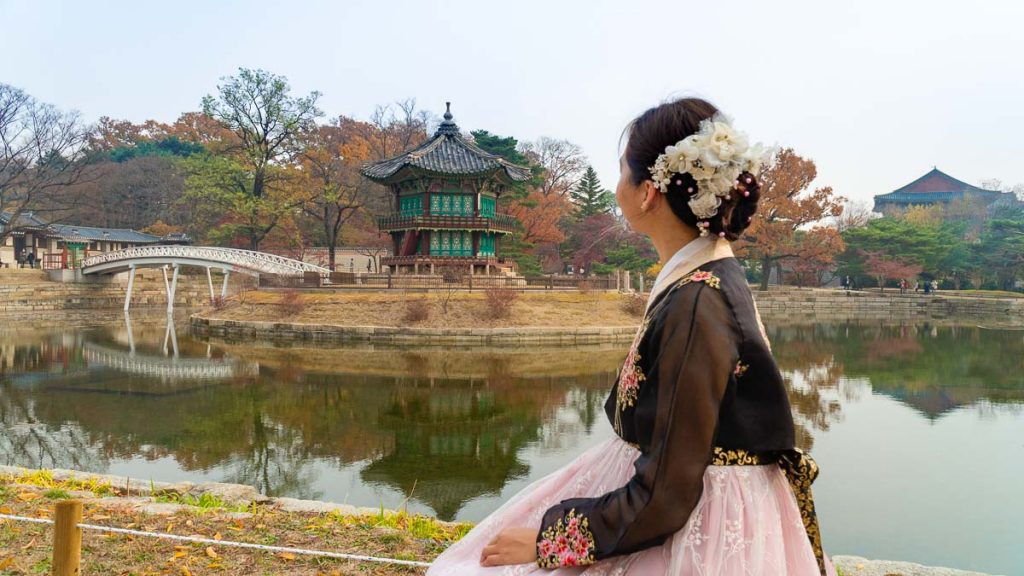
point(702, 477)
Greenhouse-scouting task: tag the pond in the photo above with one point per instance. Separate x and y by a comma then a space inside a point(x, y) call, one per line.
point(918, 429)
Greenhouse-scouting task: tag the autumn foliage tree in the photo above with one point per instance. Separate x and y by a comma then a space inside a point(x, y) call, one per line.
point(330, 163)
point(787, 205)
point(884, 268)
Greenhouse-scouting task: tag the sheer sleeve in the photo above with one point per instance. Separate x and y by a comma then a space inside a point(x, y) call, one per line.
point(696, 349)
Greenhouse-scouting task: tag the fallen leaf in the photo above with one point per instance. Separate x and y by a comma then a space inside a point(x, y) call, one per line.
point(235, 528)
point(185, 571)
point(6, 510)
point(188, 523)
point(217, 536)
point(181, 547)
point(6, 563)
point(170, 526)
point(211, 552)
point(287, 555)
point(102, 518)
point(29, 496)
point(180, 554)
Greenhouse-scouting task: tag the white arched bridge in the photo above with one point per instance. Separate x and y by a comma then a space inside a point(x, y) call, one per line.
point(227, 260)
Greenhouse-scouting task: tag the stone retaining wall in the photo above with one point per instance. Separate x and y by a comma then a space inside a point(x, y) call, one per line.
point(390, 335)
point(837, 305)
point(777, 306)
point(18, 295)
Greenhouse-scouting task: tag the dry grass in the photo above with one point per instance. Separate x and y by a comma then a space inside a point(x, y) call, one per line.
point(26, 548)
point(467, 310)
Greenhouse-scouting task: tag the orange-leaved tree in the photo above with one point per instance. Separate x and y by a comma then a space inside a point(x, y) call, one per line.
point(787, 205)
point(330, 161)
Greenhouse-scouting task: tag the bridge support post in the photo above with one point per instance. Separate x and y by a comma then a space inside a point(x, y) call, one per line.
point(209, 280)
point(224, 288)
point(172, 287)
point(131, 284)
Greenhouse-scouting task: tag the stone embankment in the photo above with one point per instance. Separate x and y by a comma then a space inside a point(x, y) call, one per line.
point(142, 494)
point(798, 305)
point(30, 290)
point(778, 306)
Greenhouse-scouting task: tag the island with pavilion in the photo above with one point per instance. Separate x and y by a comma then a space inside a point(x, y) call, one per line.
point(445, 209)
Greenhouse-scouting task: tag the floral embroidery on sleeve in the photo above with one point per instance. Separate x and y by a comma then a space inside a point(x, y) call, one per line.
point(567, 542)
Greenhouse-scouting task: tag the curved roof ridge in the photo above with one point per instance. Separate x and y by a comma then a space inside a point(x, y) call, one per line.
point(448, 152)
point(955, 184)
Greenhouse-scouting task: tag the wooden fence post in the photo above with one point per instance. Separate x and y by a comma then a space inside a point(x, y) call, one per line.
point(67, 538)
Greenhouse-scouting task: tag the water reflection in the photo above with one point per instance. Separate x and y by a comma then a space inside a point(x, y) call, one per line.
point(450, 431)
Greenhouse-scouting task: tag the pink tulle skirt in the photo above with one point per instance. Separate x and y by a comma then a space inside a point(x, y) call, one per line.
point(746, 523)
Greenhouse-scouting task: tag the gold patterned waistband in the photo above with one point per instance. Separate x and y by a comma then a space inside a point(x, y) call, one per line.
point(800, 470)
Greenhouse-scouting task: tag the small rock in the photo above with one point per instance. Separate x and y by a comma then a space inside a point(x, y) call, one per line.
point(232, 494)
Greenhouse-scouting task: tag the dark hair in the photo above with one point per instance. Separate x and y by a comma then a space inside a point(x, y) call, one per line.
point(651, 132)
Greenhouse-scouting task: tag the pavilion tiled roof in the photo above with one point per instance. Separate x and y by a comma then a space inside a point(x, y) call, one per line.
point(24, 220)
point(73, 233)
point(935, 186)
point(448, 153)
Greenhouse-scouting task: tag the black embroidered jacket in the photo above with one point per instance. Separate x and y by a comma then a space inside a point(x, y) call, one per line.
point(699, 376)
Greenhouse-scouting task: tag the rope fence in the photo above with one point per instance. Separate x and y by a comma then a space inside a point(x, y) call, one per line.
point(67, 541)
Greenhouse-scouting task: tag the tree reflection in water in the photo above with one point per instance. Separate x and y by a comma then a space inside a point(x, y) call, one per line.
point(441, 426)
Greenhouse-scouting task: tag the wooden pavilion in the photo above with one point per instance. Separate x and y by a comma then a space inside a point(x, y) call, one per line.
point(445, 204)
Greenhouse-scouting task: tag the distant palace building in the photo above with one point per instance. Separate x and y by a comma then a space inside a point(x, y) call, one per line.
point(65, 245)
point(936, 187)
point(445, 204)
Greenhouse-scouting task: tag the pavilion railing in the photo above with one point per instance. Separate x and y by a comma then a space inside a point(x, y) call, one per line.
point(495, 223)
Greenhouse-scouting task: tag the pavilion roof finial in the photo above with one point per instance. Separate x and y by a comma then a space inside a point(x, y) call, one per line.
point(448, 126)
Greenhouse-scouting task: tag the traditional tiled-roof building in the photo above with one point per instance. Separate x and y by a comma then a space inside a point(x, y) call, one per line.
point(935, 187)
point(445, 203)
point(62, 245)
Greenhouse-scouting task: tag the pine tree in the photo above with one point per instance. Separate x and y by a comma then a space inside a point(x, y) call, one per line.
point(589, 197)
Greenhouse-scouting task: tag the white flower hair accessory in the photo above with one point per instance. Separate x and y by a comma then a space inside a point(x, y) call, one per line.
point(714, 156)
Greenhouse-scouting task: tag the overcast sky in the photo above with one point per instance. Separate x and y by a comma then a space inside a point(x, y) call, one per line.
point(876, 92)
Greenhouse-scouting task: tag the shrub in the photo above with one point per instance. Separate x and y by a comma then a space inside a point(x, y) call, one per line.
point(219, 302)
point(416, 310)
point(499, 302)
point(291, 303)
point(634, 304)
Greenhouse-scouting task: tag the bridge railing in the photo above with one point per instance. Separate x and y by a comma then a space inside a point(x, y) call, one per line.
point(247, 259)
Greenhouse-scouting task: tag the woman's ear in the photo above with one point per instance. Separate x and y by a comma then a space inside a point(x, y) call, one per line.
point(651, 195)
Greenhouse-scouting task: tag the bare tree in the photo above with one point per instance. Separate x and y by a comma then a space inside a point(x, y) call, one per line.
point(854, 215)
point(41, 154)
point(564, 163)
point(997, 184)
point(395, 128)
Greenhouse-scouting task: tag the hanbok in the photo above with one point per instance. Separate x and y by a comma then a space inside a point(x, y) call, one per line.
point(702, 477)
